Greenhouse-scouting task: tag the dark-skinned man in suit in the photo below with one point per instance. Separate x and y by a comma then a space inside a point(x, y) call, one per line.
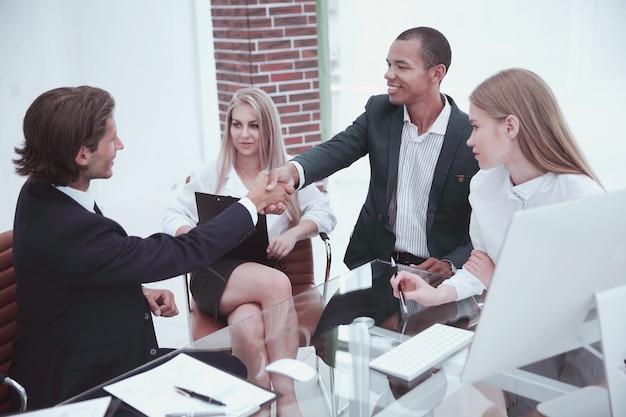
point(417, 208)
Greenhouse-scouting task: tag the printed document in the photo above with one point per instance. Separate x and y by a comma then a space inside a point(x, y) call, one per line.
point(153, 392)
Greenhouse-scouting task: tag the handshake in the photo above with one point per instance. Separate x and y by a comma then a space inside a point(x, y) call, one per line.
point(271, 192)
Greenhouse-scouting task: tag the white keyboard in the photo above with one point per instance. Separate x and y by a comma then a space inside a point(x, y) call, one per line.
point(420, 353)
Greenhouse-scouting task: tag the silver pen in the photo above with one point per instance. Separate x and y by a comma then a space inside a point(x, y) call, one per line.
point(196, 414)
point(394, 269)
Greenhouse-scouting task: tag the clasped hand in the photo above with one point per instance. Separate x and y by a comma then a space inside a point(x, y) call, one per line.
point(270, 200)
point(481, 266)
point(281, 176)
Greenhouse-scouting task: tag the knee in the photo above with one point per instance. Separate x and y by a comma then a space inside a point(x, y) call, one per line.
point(280, 285)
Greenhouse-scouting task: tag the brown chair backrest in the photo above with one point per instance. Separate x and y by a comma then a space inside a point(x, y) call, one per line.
point(8, 310)
point(299, 267)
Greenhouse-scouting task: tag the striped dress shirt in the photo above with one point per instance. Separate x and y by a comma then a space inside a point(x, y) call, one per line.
point(416, 167)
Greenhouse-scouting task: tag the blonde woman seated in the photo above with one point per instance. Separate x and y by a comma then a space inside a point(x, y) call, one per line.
point(527, 158)
point(235, 289)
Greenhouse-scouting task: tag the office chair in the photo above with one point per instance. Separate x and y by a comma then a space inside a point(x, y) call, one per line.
point(8, 326)
point(299, 267)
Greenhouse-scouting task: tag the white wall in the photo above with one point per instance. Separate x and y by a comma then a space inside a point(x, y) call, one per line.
point(151, 55)
point(577, 46)
point(156, 58)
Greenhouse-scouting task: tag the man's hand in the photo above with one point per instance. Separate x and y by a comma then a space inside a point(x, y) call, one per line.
point(435, 265)
point(278, 197)
point(161, 302)
point(287, 174)
point(481, 266)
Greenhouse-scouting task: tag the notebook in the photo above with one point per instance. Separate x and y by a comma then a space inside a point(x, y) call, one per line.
point(554, 259)
point(253, 248)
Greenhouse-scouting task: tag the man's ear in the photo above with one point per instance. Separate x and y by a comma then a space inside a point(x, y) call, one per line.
point(83, 156)
point(511, 124)
point(438, 72)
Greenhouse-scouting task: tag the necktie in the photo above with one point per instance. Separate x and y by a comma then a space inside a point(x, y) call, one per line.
point(96, 209)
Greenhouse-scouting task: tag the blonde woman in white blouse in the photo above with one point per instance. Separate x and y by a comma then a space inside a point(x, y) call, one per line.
point(527, 158)
point(233, 289)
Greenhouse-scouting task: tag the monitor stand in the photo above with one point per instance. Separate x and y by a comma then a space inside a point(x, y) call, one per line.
point(596, 400)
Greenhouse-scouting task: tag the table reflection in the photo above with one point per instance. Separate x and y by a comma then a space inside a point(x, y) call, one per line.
point(366, 292)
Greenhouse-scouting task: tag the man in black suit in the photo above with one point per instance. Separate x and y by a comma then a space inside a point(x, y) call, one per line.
point(83, 316)
point(417, 205)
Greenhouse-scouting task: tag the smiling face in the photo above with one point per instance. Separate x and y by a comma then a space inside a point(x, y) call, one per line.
point(99, 164)
point(491, 139)
point(245, 130)
point(407, 78)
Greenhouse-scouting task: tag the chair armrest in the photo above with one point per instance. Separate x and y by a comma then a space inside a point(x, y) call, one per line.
point(326, 239)
point(18, 388)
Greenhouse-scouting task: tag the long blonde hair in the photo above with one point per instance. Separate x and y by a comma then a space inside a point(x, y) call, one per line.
point(272, 153)
point(543, 137)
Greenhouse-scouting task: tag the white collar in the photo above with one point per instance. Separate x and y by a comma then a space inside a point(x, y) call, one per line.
point(440, 124)
point(83, 198)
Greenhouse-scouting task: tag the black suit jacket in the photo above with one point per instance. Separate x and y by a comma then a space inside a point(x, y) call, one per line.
point(377, 133)
point(82, 316)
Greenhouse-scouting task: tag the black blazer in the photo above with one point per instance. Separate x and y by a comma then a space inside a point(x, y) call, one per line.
point(377, 133)
point(82, 317)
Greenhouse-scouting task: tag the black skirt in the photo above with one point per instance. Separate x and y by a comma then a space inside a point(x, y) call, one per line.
point(207, 284)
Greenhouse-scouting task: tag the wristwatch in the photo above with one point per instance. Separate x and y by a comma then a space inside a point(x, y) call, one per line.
point(452, 267)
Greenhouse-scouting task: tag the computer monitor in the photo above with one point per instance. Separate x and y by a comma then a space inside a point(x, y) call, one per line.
point(554, 259)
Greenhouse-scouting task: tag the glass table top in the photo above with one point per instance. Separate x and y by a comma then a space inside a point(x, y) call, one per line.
point(335, 343)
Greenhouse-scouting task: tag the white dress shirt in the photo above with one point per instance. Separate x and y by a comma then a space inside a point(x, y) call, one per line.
point(494, 200)
point(83, 198)
point(313, 205)
point(419, 152)
point(416, 167)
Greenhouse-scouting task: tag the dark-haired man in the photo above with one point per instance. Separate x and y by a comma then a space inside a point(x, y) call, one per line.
point(83, 316)
point(416, 208)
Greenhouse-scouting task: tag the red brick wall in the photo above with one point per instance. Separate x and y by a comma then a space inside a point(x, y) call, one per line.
point(271, 44)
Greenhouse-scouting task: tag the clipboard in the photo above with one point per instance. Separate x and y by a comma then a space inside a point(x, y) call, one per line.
point(254, 247)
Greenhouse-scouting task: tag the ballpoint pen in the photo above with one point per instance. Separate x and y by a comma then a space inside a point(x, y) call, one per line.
point(394, 269)
point(201, 397)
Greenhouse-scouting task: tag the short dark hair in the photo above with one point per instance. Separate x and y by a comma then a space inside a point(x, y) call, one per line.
point(435, 47)
point(56, 125)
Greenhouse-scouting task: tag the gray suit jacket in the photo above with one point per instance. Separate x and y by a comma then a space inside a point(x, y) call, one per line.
point(377, 133)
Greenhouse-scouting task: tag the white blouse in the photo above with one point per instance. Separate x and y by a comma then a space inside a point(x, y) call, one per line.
point(494, 200)
point(313, 205)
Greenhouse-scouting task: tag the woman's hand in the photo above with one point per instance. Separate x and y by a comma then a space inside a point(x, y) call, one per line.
point(481, 266)
point(416, 288)
point(282, 245)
